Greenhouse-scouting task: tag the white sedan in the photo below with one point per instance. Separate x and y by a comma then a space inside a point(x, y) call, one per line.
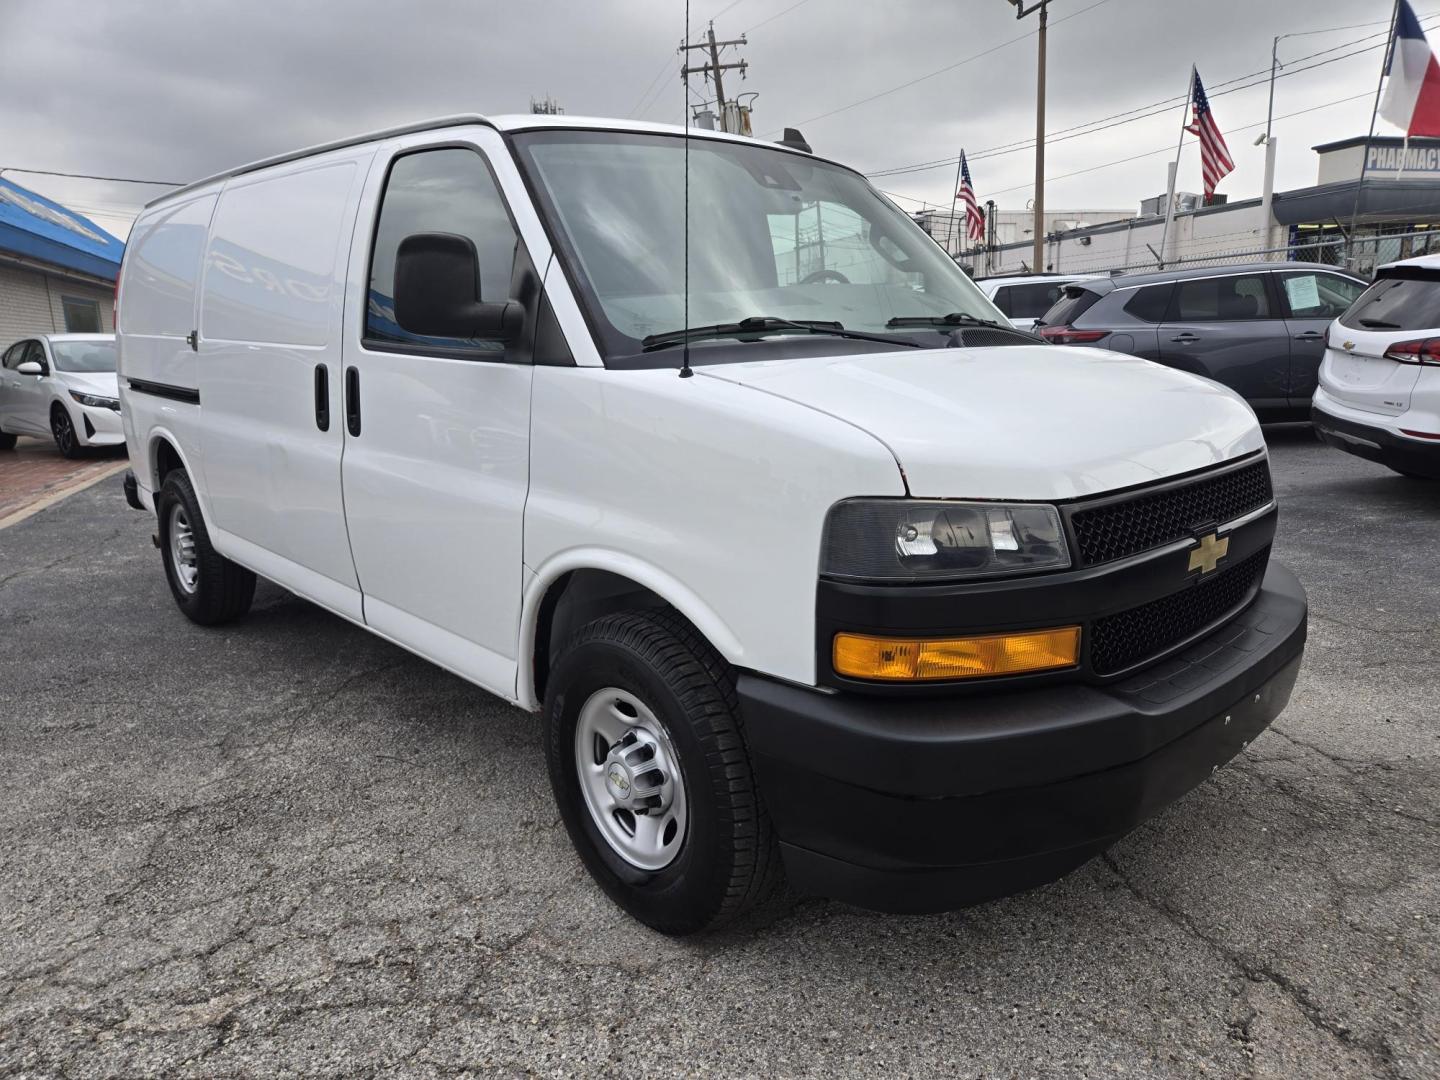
point(64, 386)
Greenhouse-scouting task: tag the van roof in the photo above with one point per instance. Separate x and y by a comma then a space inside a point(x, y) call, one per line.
point(506, 123)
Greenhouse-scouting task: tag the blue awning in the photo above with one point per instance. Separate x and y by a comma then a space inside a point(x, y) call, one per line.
point(37, 228)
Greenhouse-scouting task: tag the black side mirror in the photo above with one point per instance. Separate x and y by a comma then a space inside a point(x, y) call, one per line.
point(437, 291)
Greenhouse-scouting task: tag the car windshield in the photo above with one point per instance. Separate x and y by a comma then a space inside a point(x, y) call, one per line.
point(90, 356)
point(772, 234)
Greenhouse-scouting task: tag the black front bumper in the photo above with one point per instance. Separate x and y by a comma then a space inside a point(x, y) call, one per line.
point(1376, 444)
point(928, 804)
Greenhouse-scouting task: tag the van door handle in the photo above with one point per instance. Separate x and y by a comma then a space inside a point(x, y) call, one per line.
point(322, 397)
point(352, 400)
point(1186, 338)
point(1310, 335)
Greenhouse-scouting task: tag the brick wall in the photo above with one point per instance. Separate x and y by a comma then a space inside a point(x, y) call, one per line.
point(31, 303)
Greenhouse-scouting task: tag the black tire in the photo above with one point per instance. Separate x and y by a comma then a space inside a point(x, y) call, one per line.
point(729, 861)
point(62, 427)
point(222, 590)
point(7, 442)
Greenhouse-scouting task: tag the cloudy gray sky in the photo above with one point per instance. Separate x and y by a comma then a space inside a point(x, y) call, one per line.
point(175, 89)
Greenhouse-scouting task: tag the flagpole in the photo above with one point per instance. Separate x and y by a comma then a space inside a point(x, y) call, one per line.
point(1175, 170)
point(1374, 112)
point(955, 232)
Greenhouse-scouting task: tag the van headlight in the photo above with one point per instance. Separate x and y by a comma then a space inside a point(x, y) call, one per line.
point(901, 539)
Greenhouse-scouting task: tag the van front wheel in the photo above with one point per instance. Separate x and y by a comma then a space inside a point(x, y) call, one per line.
point(650, 770)
point(209, 588)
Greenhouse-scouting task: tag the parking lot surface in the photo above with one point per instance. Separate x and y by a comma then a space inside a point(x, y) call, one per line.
point(286, 847)
point(35, 471)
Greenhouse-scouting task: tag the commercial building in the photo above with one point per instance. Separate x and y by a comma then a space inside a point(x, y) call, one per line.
point(57, 268)
point(1007, 226)
point(1394, 208)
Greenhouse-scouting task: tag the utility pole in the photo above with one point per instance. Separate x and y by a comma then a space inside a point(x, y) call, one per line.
point(1020, 12)
point(712, 69)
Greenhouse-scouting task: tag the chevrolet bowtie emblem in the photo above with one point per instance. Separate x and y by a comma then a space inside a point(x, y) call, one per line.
point(1349, 346)
point(1211, 550)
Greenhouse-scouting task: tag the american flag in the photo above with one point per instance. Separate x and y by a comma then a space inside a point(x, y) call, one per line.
point(974, 216)
point(1215, 163)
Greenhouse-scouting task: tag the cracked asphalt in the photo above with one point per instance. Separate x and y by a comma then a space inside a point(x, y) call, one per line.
point(288, 848)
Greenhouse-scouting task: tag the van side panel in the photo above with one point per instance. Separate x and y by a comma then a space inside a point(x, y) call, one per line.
point(713, 495)
point(157, 297)
point(271, 306)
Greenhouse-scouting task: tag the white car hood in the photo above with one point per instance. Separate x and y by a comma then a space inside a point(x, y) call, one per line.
point(1018, 422)
point(104, 383)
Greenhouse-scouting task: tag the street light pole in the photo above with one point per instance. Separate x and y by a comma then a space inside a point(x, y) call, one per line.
point(1020, 12)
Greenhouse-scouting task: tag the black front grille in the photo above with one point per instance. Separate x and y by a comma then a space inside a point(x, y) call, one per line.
point(1130, 526)
point(1122, 640)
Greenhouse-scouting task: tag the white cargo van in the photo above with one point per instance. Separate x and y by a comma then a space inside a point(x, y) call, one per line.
point(815, 568)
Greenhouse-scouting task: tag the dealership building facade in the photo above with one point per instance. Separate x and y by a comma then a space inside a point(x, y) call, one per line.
point(57, 268)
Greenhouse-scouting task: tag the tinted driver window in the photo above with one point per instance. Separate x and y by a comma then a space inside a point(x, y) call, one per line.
point(439, 191)
point(1222, 299)
point(1319, 296)
point(13, 355)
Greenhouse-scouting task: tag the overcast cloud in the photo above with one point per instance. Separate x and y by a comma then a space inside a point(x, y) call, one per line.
point(176, 90)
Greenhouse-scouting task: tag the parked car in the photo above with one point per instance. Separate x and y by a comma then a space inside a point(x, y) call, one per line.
point(1379, 392)
point(1025, 298)
point(1258, 328)
point(803, 576)
point(61, 385)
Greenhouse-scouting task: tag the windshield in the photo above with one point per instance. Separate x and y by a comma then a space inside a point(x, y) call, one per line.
point(91, 356)
point(772, 233)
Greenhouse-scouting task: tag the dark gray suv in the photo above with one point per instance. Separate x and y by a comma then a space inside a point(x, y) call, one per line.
point(1258, 328)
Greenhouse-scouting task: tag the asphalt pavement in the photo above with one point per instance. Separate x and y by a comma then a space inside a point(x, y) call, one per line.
point(287, 848)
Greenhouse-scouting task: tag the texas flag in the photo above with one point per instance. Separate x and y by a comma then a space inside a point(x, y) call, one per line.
point(1412, 91)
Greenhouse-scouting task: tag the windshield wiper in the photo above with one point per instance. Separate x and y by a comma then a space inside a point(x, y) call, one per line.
point(761, 324)
point(1379, 324)
point(955, 318)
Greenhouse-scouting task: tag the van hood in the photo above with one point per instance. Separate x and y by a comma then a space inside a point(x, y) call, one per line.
point(1041, 422)
point(103, 383)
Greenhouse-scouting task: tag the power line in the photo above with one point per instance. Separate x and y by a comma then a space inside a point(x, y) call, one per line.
point(1155, 108)
point(777, 15)
point(1145, 154)
point(939, 71)
point(88, 176)
point(634, 109)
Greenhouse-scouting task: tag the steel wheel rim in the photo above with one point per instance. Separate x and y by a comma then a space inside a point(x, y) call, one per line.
point(630, 778)
point(64, 431)
point(182, 550)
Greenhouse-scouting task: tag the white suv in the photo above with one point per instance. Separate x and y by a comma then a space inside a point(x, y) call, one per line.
point(811, 567)
point(1379, 391)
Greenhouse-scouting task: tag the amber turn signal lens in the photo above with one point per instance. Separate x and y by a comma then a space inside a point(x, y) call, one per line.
point(860, 656)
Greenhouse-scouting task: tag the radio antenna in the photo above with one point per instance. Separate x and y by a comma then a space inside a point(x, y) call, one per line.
point(685, 371)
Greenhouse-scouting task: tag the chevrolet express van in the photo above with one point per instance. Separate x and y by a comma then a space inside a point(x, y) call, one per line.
point(813, 566)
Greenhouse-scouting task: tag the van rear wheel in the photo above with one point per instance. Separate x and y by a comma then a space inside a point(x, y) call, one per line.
point(648, 763)
point(209, 588)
